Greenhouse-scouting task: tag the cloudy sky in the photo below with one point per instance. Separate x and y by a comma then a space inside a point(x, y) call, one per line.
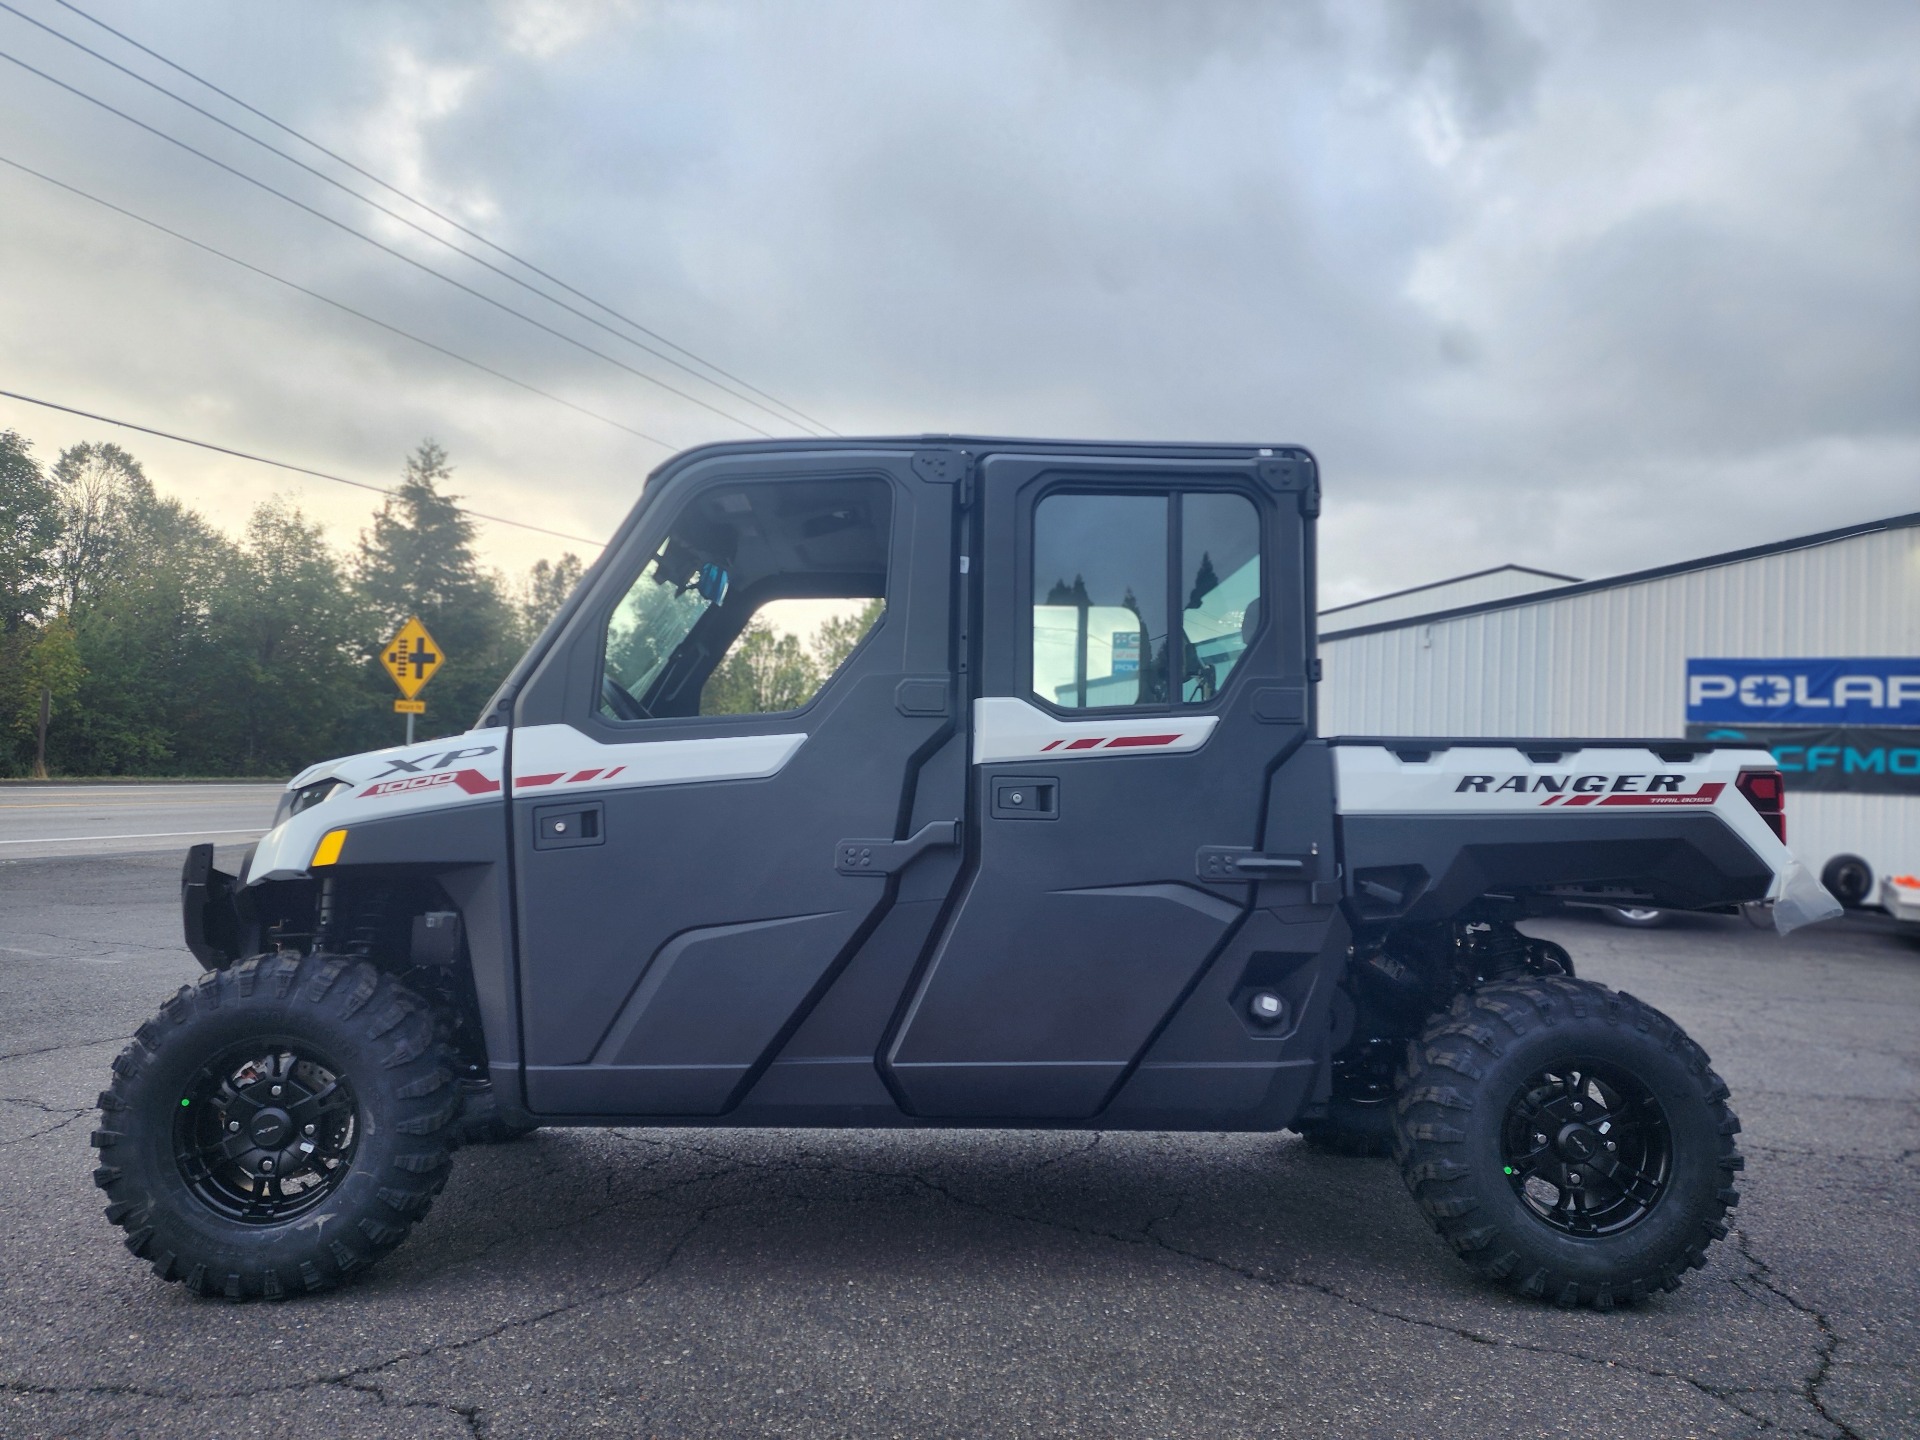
point(1581, 286)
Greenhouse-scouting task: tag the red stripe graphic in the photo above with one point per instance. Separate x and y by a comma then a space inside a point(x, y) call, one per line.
point(1126, 740)
point(523, 780)
point(1085, 743)
point(474, 783)
point(1705, 795)
point(580, 775)
point(1051, 743)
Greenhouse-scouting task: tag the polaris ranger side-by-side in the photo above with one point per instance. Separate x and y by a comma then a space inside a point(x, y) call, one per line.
point(1054, 844)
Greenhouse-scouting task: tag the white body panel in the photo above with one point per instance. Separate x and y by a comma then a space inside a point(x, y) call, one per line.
point(1373, 780)
point(468, 769)
point(1006, 728)
point(404, 779)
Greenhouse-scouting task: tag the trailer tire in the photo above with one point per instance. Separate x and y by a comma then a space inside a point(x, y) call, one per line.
point(1849, 879)
point(1596, 1216)
point(278, 1127)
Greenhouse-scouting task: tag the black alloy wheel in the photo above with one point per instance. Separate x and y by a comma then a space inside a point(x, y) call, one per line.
point(1567, 1140)
point(1587, 1148)
point(277, 1127)
point(266, 1131)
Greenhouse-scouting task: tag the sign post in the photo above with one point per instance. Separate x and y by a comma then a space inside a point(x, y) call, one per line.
point(411, 657)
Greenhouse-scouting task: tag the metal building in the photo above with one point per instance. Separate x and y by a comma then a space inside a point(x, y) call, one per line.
point(1611, 658)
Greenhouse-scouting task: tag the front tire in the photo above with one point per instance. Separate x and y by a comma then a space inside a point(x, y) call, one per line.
point(277, 1127)
point(1567, 1140)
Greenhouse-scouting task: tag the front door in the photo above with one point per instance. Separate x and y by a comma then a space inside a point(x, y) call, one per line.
point(1143, 652)
point(754, 681)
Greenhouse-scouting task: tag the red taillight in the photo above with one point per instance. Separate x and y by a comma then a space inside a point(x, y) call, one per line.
point(1767, 793)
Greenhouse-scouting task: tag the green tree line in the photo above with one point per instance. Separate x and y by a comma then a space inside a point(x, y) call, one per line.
point(152, 644)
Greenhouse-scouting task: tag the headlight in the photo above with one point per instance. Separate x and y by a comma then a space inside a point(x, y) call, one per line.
point(308, 796)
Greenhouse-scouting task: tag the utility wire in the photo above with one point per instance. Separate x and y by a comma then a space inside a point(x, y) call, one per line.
point(391, 214)
point(411, 199)
point(336, 304)
point(378, 245)
point(285, 465)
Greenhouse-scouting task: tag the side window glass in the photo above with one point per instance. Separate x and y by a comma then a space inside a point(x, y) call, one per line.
point(789, 649)
point(1100, 600)
point(1220, 581)
point(756, 597)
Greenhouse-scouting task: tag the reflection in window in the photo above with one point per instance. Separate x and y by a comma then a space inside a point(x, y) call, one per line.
point(1100, 600)
point(1104, 587)
point(1220, 573)
point(789, 649)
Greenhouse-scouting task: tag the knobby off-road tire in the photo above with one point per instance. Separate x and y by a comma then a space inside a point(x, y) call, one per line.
point(228, 1078)
point(1353, 1129)
point(1514, 1061)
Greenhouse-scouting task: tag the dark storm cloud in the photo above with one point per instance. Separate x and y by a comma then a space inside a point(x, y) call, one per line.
point(1580, 286)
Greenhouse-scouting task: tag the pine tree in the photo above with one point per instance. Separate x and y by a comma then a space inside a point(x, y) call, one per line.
point(418, 559)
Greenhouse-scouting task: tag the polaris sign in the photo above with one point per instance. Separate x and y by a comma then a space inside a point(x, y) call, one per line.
point(1803, 692)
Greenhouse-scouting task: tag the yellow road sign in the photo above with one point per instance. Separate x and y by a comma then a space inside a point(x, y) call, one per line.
point(409, 707)
point(411, 657)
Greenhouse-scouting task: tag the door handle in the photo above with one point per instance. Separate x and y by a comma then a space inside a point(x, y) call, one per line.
point(885, 857)
point(1232, 863)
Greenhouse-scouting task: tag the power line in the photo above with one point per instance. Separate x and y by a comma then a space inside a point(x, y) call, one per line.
point(388, 249)
point(284, 465)
point(336, 304)
point(438, 215)
point(391, 214)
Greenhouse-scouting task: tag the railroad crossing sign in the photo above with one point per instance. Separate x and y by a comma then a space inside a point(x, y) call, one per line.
point(411, 657)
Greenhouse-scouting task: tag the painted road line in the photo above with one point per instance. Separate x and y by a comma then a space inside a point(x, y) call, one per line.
point(154, 835)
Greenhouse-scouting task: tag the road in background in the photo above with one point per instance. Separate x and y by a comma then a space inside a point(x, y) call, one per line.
point(970, 1283)
point(51, 820)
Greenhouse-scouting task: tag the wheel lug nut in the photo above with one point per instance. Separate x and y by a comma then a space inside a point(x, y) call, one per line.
point(1539, 1139)
point(1612, 1146)
point(233, 1124)
point(276, 1091)
point(266, 1165)
point(309, 1130)
point(1577, 1106)
point(1574, 1177)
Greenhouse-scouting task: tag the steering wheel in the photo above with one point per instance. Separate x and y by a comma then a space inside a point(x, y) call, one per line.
point(620, 702)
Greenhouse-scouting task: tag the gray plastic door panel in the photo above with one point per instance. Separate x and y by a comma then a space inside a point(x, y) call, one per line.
point(1085, 918)
point(693, 903)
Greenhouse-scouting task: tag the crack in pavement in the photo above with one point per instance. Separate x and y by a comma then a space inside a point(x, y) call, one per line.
point(357, 1378)
point(37, 1134)
point(1761, 1274)
point(68, 1045)
point(1145, 1235)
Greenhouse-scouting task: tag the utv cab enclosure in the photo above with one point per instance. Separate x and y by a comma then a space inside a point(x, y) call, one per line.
point(948, 781)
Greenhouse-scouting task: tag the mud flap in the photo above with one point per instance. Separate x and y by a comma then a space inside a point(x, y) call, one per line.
point(1802, 900)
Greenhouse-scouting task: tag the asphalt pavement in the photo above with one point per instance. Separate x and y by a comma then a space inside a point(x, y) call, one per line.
point(38, 820)
point(761, 1283)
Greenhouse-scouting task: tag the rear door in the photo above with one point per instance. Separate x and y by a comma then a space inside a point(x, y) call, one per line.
point(1143, 654)
point(709, 774)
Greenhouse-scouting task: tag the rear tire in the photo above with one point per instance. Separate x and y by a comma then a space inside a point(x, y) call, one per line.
point(1598, 1216)
point(277, 1127)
